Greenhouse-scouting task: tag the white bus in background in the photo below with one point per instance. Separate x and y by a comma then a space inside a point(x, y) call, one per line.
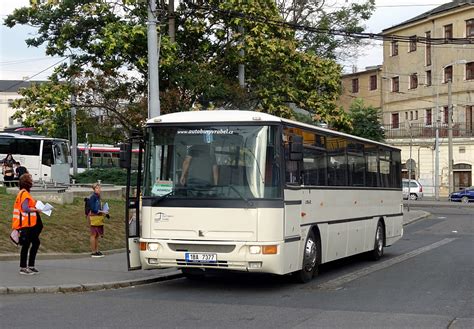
point(98, 156)
point(45, 158)
point(289, 196)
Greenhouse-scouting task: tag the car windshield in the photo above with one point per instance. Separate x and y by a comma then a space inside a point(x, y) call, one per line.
point(225, 162)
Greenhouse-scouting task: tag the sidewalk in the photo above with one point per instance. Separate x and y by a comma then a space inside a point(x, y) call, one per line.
point(73, 273)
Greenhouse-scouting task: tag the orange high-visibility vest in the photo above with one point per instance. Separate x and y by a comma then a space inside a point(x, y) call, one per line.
point(20, 218)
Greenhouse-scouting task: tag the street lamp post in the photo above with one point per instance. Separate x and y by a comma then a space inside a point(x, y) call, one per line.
point(436, 174)
point(450, 139)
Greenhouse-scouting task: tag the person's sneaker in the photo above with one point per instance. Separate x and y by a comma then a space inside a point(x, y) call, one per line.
point(100, 254)
point(26, 271)
point(33, 269)
point(96, 255)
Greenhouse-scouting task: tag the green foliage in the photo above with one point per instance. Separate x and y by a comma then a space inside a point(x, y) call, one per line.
point(366, 121)
point(116, 176)
point(332, 19)
point(198, 71)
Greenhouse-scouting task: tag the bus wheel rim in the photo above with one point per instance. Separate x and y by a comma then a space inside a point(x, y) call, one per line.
point(310, 255)
point(379, 239)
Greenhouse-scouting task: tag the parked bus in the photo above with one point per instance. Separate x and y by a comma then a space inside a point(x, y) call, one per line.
point(277, 196)
point(45, 158)
point(98, 156)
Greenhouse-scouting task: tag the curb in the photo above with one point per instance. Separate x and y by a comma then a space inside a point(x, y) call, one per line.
point(60, 255)
point(74, 288)
point(417, 218)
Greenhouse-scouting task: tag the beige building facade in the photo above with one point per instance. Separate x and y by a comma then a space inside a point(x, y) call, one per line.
point(366, 85)
point(421, 81)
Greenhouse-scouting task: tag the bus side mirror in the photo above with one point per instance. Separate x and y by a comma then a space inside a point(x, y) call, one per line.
point(125, 160)
point(296, 148)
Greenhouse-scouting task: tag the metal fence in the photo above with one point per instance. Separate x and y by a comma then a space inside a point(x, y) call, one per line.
point(420, 130)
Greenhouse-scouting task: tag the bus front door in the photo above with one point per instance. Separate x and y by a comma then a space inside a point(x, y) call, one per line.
point(132, 206)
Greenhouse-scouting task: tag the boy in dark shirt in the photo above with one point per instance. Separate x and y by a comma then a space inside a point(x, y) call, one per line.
point(20, 170)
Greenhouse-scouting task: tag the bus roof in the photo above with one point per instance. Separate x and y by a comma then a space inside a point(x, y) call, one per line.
point(229, 116)
point(21, 136)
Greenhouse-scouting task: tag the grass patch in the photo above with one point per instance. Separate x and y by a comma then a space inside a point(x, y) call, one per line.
point(67, 230)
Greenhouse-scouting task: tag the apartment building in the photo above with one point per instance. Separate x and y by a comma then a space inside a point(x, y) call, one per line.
point(8, 93)
point(428, 82)
point(366, 85)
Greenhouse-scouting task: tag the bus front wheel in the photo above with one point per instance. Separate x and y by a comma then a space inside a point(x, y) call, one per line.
point(311, 258)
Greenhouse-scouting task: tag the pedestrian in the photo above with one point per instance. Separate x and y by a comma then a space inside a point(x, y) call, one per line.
point(7, 169)
point(96, 220)
point(20, 170)
point(26, 219)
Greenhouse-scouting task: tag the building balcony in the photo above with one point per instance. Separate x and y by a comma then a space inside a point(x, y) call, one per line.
point(421, 130)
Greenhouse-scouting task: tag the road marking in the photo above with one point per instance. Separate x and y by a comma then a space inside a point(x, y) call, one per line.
point(337, 284)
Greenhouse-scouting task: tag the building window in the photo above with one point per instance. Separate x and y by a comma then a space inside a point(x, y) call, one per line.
point(428, 117)
point(395, 84)
point(448, 74)
point(445, 114)
point(406, 116)
point(416, 115)
point(428, 49)
point(355, 85)
point(394, 48)
point(470, 28)
point(470, 71)
point(395, 121)
point(411, 115)
point(412, 44)
point(413, 81)
point(373, 82)
point(448, 32)
point(428, 78)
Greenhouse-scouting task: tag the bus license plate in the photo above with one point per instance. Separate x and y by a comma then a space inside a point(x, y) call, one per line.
point(200, 257)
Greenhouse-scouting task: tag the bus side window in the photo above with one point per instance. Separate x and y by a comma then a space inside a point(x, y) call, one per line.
point(47, 158)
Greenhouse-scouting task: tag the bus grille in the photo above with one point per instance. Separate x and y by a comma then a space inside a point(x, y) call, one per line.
point(188, 247)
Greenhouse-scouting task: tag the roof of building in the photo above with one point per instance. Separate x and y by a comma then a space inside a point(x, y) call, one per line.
point(438, 10)
point(14, 85)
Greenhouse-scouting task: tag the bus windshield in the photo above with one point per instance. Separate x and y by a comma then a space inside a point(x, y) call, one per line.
point(224, 162)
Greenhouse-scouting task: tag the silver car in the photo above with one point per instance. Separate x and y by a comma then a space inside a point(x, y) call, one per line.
point(416, 190)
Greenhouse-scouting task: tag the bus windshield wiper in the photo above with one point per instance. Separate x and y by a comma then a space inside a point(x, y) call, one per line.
point(164, 196)
point(240, 194)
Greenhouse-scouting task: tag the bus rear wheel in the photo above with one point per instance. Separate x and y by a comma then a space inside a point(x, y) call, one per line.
point(377, 253)
point(311, 259)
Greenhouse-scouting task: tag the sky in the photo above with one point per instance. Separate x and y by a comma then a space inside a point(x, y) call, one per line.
point(20, 62)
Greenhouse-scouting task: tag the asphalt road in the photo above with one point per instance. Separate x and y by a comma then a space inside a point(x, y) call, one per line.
point(424, 281)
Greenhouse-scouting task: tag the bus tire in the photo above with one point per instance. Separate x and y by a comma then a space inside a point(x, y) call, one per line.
point(311, 258)
point(377, 253)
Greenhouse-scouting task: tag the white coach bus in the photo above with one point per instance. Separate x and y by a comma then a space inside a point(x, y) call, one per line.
point(45, 158)
point(248, 191)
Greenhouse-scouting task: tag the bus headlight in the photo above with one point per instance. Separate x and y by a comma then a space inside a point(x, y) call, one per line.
point(255, 250)
point(152, 246)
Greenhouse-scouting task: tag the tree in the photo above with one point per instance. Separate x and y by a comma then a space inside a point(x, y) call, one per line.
point(332, 20)
point(366, 121)
point(107, 44)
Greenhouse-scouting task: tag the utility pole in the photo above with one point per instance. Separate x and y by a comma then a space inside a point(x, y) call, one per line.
point(436, 173)
point(241, 54)
point(450, 139)
point(171, 22)
point(153, 59)
point(73, 125)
